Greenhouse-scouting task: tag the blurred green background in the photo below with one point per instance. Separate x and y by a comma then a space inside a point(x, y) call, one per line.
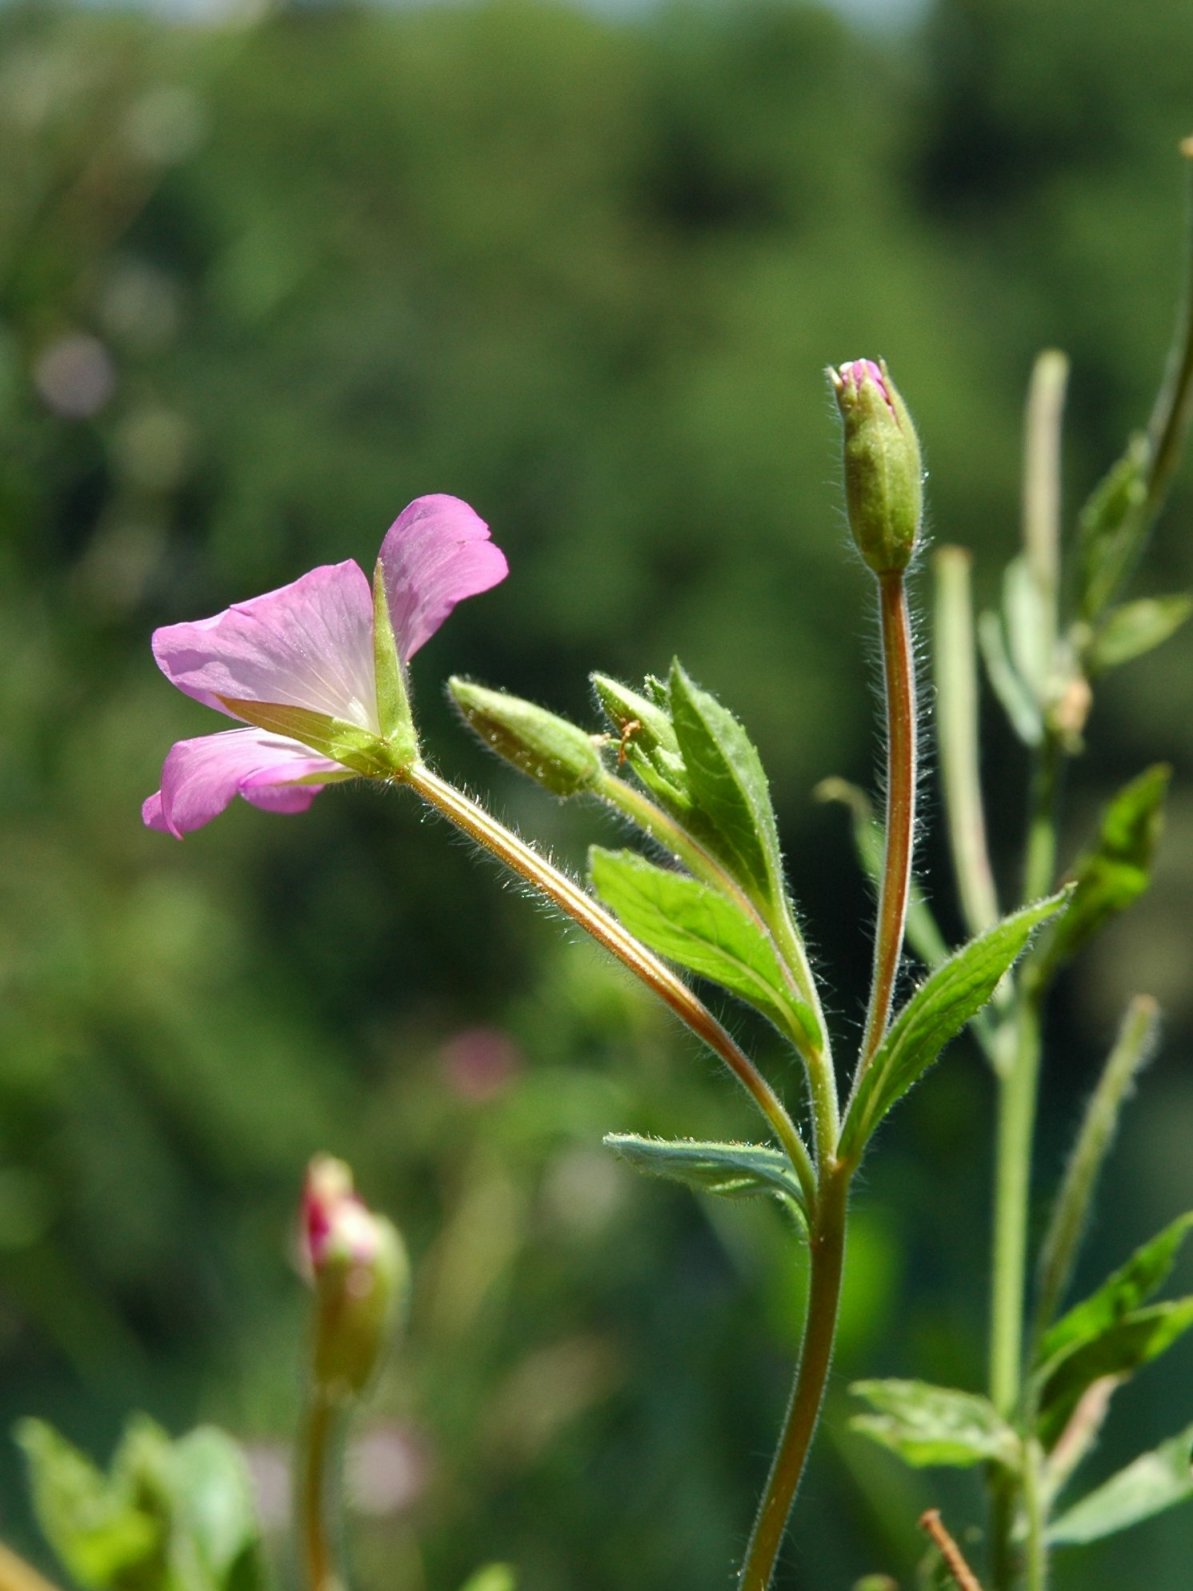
point(265, 278)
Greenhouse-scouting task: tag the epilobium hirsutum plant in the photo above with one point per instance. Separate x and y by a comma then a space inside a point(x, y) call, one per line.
point(316, 674)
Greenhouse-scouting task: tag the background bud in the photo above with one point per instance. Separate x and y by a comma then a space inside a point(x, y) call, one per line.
point(559, 755)
point(883, 470)
point(357, 1266)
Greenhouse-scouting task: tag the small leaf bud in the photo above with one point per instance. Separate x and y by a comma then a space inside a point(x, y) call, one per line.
point(357, 1265)
point(652, 727)
point(883, 471)
point(559, 755)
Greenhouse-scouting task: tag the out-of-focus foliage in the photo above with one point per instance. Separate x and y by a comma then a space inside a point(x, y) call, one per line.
point(260, 284)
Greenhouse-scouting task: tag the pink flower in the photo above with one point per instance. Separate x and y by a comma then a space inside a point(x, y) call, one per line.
point(314, 671)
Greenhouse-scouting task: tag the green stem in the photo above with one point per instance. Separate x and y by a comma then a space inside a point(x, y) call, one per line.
point(472, 819)
point(826, 1247)
point(1040, 867)
point(315, 1462)
point(1035, 1545)
point(899, 692)
point(957, 737)
point(789, 947)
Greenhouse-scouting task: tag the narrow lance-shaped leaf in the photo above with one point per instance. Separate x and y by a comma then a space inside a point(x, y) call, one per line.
point(1122, 1349)
point(1112, 527)
point(728, 787)
point(1109, 1334)
point(693, 924)
point(1125, 1290)
point(1115, 871)
point(735, 1171)
point(1058, 1251)
point(1008, 685)
point(1024, 613)
point(1153, 1482)
point(936, 1013)
point(1135, 629)
point(929, 1425)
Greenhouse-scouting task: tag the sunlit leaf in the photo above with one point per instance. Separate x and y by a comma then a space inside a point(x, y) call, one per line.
point(728, 786)
point(936, 1013)
point(175, 1515)
point(1153, 1482)
point(97, 1524)
point(693, 924)
point(493, 1577)
point(935, 1425)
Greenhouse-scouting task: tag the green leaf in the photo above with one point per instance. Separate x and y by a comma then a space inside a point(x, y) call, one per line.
point(1118, 1352)
point(493, 1577)
point(1129, 631)
point(695, 925)
point(1153, 1482)
point(735, 1171)
point(1112, 526)
point(646, 739)
point(1026, 628)
point(1008, 685)
point(935, 1425)
point(1130, 1286)
point(937, 1012)
point(728, 786)
point(1058, 1251)
point(1112, 875)
point(166, 1517)
point(216, 1537)
point(104, 1533)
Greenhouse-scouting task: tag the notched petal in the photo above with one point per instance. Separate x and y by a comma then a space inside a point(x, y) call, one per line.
point(436, 553)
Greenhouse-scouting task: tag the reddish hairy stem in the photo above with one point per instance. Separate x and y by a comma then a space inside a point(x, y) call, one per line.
point(898, 668)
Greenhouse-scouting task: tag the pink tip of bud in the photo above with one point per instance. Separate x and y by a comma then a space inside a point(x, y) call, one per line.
point(850, 377)
point(331, 1211)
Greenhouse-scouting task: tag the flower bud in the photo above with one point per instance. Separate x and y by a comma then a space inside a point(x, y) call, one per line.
point(883, 472)
point(357, 1266)
point(559, 755)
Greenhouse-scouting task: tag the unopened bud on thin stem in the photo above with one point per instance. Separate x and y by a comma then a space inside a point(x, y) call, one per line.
point(357, 1266)
point(883, 471)
point(559, 755)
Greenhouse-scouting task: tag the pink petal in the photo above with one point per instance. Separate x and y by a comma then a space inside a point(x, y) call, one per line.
point(200, 777)
point(310, 644)
point(434, 554)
